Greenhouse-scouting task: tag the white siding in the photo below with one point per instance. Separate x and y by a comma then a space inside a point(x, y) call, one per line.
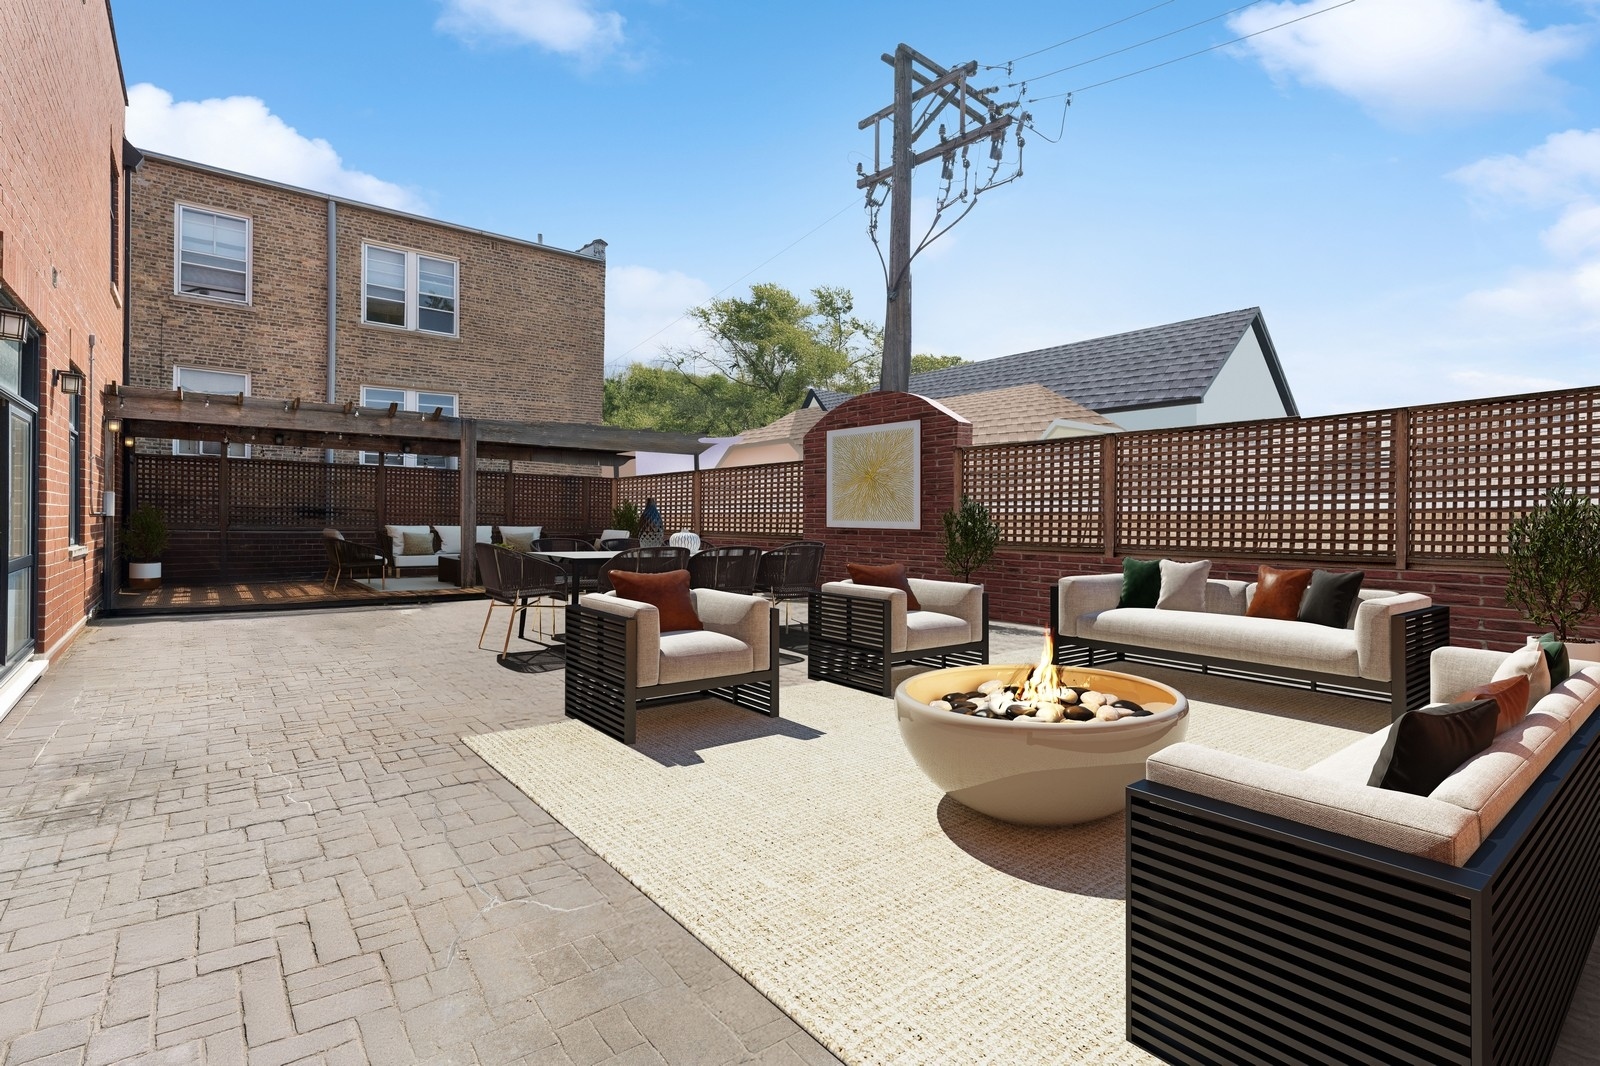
point(1243, 389)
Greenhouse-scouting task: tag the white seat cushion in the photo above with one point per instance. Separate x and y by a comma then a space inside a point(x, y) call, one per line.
point(396, 534)
point(691, 655)
point(1353, 763)
point(450, 538)
point(1491, 782)
point(1269, 641)
point(930, 629)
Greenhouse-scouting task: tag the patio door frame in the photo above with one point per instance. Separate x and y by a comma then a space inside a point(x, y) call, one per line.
point(15, 409)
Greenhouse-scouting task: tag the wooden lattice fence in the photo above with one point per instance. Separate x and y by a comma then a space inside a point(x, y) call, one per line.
point(765, 501)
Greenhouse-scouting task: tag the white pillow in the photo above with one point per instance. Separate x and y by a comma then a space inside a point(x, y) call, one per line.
point(1528, 659)
point(397, 537)
point(531, 532)
point(450, 537)
point(1183, 585)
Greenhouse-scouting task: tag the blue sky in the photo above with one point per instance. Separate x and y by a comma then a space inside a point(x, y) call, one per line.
point(1409, 189)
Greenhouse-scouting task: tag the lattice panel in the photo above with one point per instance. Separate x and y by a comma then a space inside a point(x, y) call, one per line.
point(286, 494)
point(1321, 487)
point(184, 487)
point(673, 493)
point(491, 498)
point(1477, 467)
point(560, 503)
point(765, 500)
point(1041, 493)
point(416, 495)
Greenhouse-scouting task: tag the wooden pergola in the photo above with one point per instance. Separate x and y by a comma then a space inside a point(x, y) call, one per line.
point(295, 423)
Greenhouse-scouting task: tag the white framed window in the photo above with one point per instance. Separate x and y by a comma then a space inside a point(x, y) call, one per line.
point(223, 382)
point(410, 400)
point(409, 290)
point(213, 255)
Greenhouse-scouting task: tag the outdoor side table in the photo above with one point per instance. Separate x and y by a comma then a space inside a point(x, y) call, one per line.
point(449, 569)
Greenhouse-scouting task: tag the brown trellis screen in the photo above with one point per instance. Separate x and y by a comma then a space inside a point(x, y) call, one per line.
point(673, 493)
point(1475, 467)
point(560, 502)
point(1321, 487)
point(764, 500)
point(183, 487)
point(1044, 493)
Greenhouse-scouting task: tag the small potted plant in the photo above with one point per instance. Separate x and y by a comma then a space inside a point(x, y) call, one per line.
point(1552, 561)
point(144, 538)
point(626, 515)
point(970, 538)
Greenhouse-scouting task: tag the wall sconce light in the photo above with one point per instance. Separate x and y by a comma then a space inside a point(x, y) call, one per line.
point(70, 382)
point(127, 442)
point(13, 326)
point(113, 426)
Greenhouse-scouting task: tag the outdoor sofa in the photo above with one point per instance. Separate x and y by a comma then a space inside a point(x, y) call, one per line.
point(1382, 653)
point(858, 634)
point(1292, 916)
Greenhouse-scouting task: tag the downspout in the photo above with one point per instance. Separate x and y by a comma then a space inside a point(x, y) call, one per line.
point(114, 452)
point(333, 310)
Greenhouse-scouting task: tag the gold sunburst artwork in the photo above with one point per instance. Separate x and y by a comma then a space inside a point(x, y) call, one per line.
point(874, 477)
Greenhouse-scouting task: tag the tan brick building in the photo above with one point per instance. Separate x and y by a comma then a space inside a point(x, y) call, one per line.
point(230, 291)
point(62, 288)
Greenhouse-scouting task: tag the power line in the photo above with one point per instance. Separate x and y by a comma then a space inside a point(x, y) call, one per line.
point(855, 201)
point(1079, 37)
point(1191, 55)
point(1140, 44)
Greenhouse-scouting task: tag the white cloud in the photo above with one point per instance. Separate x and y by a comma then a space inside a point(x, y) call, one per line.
point(568, 27)
point(1547, 297)
point(1494, 383)
point(1408, 58)
point(1576, 233)
point(240, 133)
point(644, 311)
point(1563, 168)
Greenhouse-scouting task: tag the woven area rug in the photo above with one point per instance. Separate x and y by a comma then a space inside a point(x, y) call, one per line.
point(894, 924)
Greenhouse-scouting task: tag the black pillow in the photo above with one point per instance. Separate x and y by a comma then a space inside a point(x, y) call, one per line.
point(1141, 582)
point(1331, 598)
point(1426, 746)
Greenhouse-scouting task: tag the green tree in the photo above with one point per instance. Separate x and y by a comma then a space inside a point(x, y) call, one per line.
point(921, 364)
point(1552, 561)
point(970, 538)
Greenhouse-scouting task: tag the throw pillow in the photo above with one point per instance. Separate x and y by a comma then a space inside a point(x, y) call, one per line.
point(1141, 582)
point(522, 542)
point(886, 576)
point(416, 543)
point(1426, 746)
point(667, 593)
point(1183, 585)
point(1510, 694)
point(1528, 659)
point(1331, 598)
point(1278, 593)
point(1555, 656)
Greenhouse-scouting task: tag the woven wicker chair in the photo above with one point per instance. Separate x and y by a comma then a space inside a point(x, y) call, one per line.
point(792, 572)
point(522, 583)
point(644, 561)
point(346, 557)
point(731, 569)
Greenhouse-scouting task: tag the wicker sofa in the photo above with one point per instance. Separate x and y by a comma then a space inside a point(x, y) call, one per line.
point(1290, 916)
point(1381, 654)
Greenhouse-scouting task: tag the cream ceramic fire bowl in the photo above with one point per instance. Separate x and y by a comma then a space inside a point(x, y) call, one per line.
point(1030, 772)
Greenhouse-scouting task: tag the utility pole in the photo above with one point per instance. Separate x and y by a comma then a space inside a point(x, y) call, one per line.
point(916, 77)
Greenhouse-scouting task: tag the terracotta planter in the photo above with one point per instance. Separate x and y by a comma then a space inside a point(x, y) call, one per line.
point(144, 575)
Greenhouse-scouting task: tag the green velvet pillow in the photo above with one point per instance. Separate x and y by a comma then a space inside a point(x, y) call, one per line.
point(1141, 582)
point(1555, 656)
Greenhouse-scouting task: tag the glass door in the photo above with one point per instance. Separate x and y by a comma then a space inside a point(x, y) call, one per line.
point(19, 535)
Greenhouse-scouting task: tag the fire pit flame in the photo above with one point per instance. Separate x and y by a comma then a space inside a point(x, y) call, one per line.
point(1043, 685)
point(1047, 693)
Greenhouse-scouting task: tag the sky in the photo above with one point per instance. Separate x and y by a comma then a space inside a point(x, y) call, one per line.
point(1408, 189)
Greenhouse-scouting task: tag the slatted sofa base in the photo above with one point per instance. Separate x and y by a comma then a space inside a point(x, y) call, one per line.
point(1413, 637)
point(600, 688)
point(850, 644)
point(1255, 939)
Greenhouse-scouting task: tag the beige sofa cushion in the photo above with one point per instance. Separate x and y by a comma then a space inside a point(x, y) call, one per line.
point(1491, 782)
point(1268, 641)
point(694, 654)
point(930, 629)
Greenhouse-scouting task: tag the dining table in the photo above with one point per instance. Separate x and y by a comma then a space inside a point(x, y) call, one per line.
point(578, 565)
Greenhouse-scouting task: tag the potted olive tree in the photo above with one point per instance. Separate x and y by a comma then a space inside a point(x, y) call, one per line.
point(1552, 561)
point(144, 538)
point(626, 515)
point(970, 538)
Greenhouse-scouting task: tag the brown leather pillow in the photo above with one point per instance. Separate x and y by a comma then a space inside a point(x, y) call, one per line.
point(887, 576)
point(1278, 593)
point(1510, 693)
point(667, 593)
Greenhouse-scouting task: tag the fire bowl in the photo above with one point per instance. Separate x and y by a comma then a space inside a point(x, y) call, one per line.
point(1033, 772)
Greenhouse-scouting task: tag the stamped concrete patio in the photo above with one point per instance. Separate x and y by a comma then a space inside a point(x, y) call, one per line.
point(258, 839)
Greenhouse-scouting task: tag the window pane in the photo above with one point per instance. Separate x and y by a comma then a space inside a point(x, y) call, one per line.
point(19, 611)
point(21, 507)
point(75, 471)
point(386, 287)
point(436, 295)
point(213, 252)
point(11, 365)
point(219, 381)
point(427, 401)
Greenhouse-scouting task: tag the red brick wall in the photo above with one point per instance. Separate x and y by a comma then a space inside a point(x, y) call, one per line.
point(1020, 581)
point(61, 115)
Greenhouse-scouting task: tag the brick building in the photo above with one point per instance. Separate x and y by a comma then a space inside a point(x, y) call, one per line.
point(239, 284)
point(62, 287)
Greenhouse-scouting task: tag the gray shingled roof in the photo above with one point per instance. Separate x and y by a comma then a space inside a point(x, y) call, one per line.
point(1170, 364)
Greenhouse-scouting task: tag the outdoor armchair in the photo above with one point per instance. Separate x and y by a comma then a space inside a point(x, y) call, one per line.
point(618, 660)
point(520, 582)
point(644, 561)
point(791, 572)
point(860, 633)
point(731, 568)
point(356, 560)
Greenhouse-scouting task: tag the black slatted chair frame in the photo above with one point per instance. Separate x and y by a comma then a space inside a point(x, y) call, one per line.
point(348, 558)
point(602, 691)
point(851, 643)
point(1252, 938)
point(731, 568)
point(661, 560)
point(521, 582)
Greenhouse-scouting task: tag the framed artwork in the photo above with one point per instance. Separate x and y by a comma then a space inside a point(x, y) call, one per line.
point(875, 476)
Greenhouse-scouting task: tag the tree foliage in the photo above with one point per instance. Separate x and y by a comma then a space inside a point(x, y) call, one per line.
point(921, 364)
point(970, 538)
point(1553, 563)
